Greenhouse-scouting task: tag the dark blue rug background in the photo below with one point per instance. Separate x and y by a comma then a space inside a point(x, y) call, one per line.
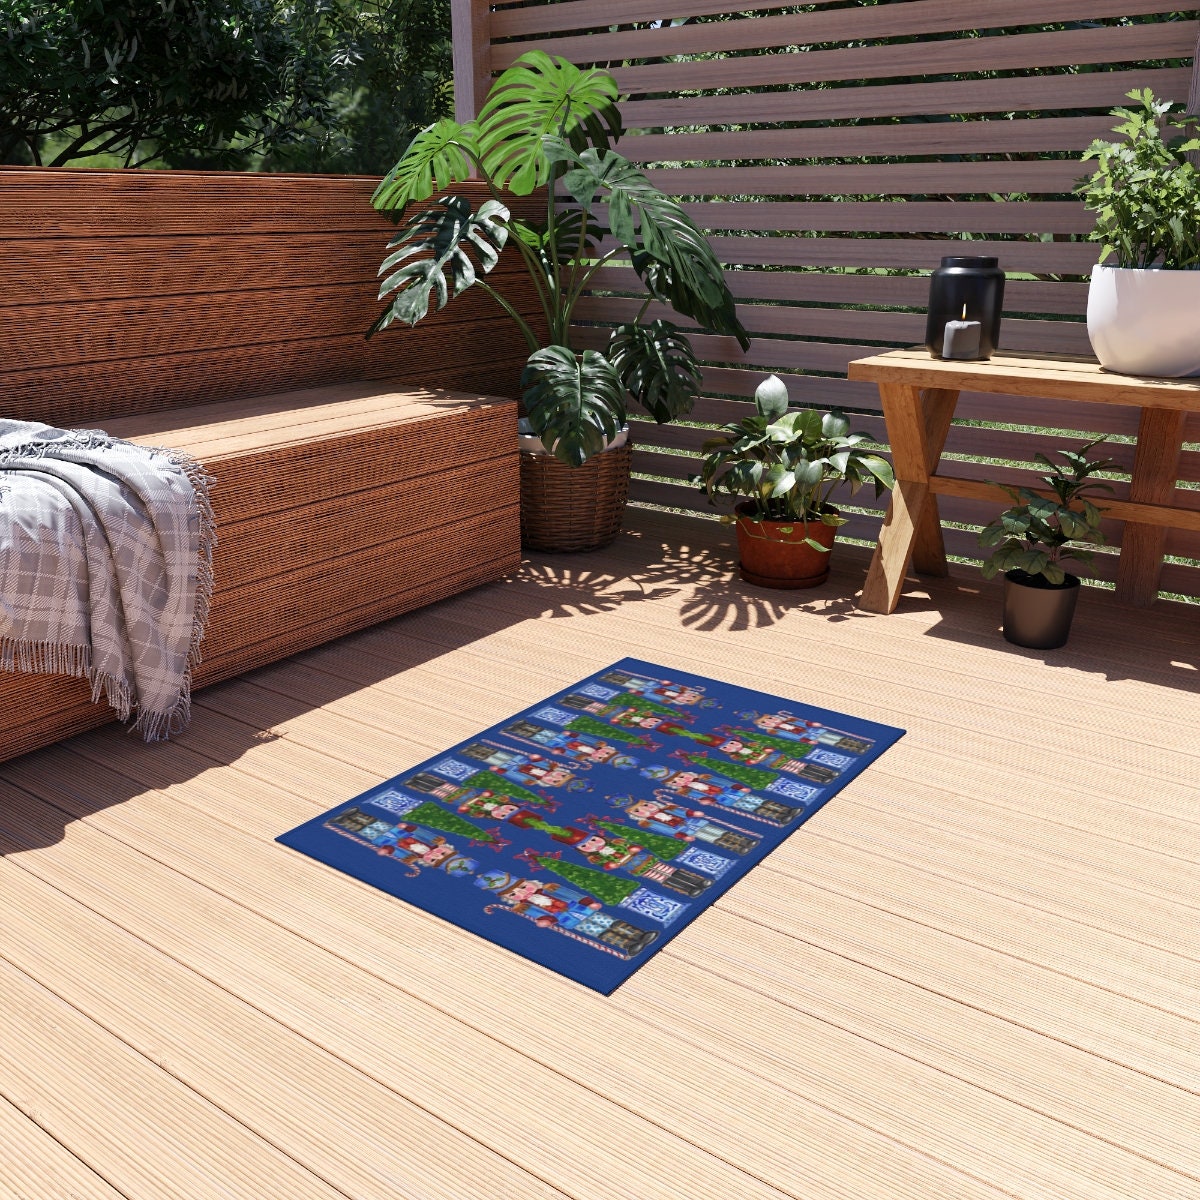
point(599, 960)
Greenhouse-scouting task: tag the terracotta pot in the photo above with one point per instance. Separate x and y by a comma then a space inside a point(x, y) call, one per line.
point(774, 558)
point(1037, 614)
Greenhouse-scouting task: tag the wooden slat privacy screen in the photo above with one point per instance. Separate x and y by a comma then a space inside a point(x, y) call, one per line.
point(821, 145)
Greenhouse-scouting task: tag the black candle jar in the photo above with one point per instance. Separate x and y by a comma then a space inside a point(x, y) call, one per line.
point(965, 281)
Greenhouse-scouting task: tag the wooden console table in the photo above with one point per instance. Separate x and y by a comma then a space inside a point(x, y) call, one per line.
point(919, 394)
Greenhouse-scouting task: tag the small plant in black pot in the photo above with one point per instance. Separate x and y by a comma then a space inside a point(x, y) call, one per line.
point(1035, 537)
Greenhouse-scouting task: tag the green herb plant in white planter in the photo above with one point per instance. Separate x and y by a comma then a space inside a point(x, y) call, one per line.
point(1035, 537)
point(548, 124)
point(1144, 305)
point(785, 464)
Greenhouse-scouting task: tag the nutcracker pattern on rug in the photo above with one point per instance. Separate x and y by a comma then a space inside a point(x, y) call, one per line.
point(587, 831)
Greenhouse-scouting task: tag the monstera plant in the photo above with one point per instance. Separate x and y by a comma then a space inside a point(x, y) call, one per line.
point(548, 124)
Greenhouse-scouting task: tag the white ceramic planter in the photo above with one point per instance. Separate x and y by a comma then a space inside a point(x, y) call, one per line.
point(530, 443)
point(1145, 322)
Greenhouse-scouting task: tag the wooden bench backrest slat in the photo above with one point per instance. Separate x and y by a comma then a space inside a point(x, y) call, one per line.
point(128, 291)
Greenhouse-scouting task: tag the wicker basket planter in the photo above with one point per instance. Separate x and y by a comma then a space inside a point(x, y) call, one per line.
point(573, 508)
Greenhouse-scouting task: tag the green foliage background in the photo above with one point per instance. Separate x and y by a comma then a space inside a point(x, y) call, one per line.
point(334, 86)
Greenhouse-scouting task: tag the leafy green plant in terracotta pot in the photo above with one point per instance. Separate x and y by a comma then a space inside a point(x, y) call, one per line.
point(1144, 305)
point(1033, 539)
point(548, 124)
point(784, 464)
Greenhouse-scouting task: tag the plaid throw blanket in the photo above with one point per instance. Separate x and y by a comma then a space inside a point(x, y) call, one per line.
point(105, 567)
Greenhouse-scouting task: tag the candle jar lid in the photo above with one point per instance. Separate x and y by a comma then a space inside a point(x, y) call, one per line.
point(969, 262)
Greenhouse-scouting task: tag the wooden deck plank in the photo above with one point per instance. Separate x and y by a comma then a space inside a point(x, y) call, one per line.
point(1080, 882)
point(997, 961)
point(970, 708)
point(1022, 798)
point(822, 1085)
point(892, 646)
point(1087, 1091)
point(373, 649)
point(232, 1054)
point(34, 1166)
point(394, 945)
point(1069, 781)
point(893, 642)
point(971, 975)
point(1153, 867)
point(1090, 891)
point(150, 1132)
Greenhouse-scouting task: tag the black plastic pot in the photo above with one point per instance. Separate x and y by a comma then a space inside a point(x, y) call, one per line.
point(1038, 614)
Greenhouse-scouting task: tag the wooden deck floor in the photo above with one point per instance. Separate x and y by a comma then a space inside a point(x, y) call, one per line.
point(975, 973)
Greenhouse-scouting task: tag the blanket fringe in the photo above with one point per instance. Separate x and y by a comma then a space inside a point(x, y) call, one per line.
point(159, 726)
point(45, 658)
point(48, 658)
point(116, 691)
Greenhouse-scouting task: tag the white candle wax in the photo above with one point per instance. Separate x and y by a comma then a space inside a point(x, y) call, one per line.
point(962, 339)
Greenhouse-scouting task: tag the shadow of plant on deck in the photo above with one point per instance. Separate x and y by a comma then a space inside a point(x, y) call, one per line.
point(700, 569)
point(1155, 645)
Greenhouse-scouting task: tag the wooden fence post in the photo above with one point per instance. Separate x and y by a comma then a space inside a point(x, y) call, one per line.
point(471, 30)
point(1194, 96)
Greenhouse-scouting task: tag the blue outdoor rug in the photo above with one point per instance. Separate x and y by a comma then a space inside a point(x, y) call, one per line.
point(585, 832)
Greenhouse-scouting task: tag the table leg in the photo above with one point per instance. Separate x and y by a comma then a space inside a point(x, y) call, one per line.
point(929, 548)
point(1155, 470)
point(917, 425)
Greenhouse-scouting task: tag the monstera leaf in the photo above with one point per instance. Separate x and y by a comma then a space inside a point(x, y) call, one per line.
point(432, 256)
point(663, 282)
point(538, 96)
point(575, 403)
point(658, 368)
point(670, 253)
point(437, 157)
point(566, 239)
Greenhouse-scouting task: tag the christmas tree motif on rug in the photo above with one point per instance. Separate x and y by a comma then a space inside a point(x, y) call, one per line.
point(790, 727)
point(606, 844)
point(671, 820)
point(523, 768)
point(757, 749)
point(692, 875)
point(752, 777)
point(625, 711)
point(583, 740)
point(589, 725)
point(484, 784)
point(436, 817)
point(756, 778)
point(704, 788)
point(550, 905)
point(799, 757)
point(664, 847)
point(609, 847)
point(612, 889)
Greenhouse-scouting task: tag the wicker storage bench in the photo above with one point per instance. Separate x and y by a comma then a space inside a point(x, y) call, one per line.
point(224, 314)
point(336, 508)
